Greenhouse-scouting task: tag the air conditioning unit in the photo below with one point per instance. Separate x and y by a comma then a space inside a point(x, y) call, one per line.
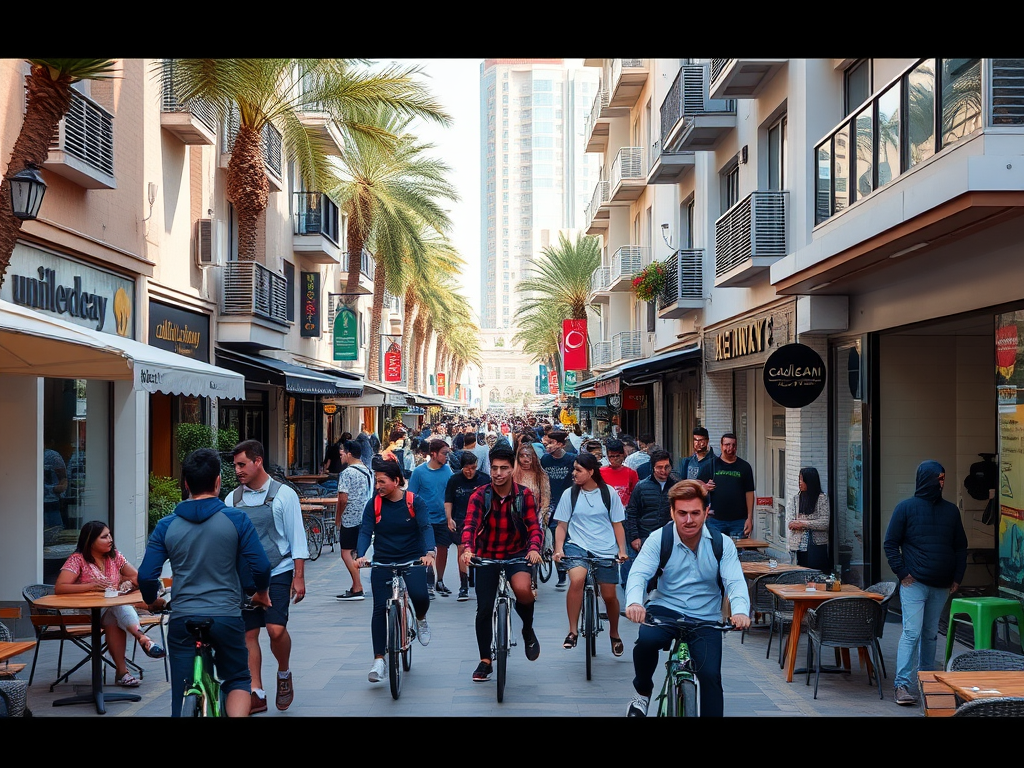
point(205, 243)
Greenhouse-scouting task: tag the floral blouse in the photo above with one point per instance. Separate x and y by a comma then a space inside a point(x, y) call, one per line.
point(108, 576)
point(817, 524)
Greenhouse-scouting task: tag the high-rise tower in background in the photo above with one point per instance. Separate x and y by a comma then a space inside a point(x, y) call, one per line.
point(534, 174)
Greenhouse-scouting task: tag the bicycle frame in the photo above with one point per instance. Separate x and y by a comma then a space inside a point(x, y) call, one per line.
point(592, 624)
point(204, 684)
point(400, 655)
point(501, 618)
point(680, 689)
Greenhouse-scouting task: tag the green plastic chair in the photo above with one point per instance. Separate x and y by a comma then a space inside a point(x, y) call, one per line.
point(983, 613)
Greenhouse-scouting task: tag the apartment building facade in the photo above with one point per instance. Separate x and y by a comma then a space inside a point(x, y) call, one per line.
point(865, 209)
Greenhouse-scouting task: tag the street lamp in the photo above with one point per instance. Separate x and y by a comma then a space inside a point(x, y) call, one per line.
point(27, 190)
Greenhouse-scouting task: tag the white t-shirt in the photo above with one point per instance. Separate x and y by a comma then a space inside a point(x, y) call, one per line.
point(357, 482)
point(590, 525)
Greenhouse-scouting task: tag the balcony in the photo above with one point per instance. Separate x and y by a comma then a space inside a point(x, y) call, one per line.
point(668, 167)
point(599, 283)
point(626, 262)
point(749, 238)
point(690, 121)
point(596, 211)
point(82, 148)
point(600, 355)
point(270, 142)
point(597, 125)
point(253, 305)
point(366, 272)
point(628, 176)
point(741, 78)
point(626, 346)
point(627, 80)
point(316, 235)
point(194, 123)
point(684, 288)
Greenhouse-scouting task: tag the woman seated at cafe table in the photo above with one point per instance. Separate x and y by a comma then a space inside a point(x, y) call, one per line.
point(96, 566)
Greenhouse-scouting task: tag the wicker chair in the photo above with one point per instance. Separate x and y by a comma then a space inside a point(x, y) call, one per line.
point(1000, 706)
point(843, 622)
point(887, 589)
point(761, 602)
point(986, 659)
point(752, 556)
point(782, 612)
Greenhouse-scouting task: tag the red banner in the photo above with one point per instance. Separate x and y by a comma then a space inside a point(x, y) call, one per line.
point(552, 382)
point(393, 363)
point(574, 341)
point(634, 398)
point(440, 384)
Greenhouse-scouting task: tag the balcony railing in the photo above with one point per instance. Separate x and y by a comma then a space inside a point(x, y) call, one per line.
point(366, 264)
point(627, 78)
point(82, 147)
point(684, 286)
point(689, 119)
point(599, 198)
point(626, 346)
point(944, 99)
point(600, 354)
point(742, 78)
point(198, 108)
point(628, 166)
point(749, 237)
point(599, 281)
point(667, 167)
point(316, 214)
point(250, 288)
point(270, 143)
point(595, 133)
point(626, 262)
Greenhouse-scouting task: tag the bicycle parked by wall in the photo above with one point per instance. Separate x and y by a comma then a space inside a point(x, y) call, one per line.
point(680, 691)
point(501, 618)
point(592, 624)
point(401, 624)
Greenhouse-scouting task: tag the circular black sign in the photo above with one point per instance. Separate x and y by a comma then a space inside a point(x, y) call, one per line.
point(794, 375)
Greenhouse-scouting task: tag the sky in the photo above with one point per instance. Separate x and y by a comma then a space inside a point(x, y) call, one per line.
point(455, 83)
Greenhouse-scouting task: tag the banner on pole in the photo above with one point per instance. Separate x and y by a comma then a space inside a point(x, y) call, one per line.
point(574, 342)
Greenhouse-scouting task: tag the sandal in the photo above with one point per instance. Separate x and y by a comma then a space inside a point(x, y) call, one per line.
point(154, 651)
point(127, 680)
point(570, 641)
point(617, 647)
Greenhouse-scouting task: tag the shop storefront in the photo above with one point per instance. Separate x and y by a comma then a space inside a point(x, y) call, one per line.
point(663, 391)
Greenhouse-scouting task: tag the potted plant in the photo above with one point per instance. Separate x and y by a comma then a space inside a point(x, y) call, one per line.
point(650, 281)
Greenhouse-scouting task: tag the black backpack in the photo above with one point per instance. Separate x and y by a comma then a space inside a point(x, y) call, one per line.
point(519, 502)
point(666, 553)
point(574, 495)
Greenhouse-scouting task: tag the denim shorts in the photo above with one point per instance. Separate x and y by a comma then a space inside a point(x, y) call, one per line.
point(277, 613)
point(603, 574)
point(443, 536)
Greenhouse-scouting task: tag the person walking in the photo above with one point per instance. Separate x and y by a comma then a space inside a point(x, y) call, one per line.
point(559, 465)
point(731, 482)
point(459, 488)
point(808, 523)
point(926, 547)
point(648, 508)
point(355, 486)
point(690, 466)
point(428, 483)
point(529, 472)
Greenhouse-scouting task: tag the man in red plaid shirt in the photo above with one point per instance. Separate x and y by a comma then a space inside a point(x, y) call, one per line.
point(509, 529)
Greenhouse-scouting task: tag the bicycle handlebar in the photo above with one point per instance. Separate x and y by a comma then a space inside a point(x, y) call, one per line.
point(596, 561)
point(488, 561)
point(687, 624)
point(394, 566)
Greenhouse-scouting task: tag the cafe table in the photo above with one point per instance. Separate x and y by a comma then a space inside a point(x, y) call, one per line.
point(802, 599)
point(983, 684)
point(318, 503)
point(749, 543)
point(752, 570)
point(10, 649)
point(95, 602)
point(307, 478)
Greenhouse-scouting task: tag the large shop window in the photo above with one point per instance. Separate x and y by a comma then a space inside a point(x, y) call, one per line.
point(76, 464)
point(302, 435)
point(1010, 398)
point(848, 510)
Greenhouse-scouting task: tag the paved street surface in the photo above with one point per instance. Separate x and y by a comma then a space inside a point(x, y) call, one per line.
point(331, 656)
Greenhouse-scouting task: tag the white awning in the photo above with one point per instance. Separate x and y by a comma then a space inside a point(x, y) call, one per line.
point(34, 344)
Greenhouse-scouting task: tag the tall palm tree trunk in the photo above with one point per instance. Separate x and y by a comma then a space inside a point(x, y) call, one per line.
point(356, 240)
point(248, 189)
point(373, 357)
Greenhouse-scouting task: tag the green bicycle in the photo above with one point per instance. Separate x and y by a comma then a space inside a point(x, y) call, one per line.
point(680, 692)
point(203, 695)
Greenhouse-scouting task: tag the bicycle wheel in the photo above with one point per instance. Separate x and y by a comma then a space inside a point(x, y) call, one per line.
point(590, 626)
point(501, 643)
point(395, 649)
point(684, 698)
point(314, 535)
point(192, 706)
point(410, 635)
point(547, 559)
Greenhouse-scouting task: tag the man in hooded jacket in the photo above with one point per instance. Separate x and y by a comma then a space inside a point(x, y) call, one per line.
point(926, 547)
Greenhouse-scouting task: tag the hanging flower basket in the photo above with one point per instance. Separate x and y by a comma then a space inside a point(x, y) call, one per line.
point(650, 281)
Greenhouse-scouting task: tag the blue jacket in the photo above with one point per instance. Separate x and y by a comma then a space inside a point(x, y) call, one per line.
point(926, 537)
point(208, 544)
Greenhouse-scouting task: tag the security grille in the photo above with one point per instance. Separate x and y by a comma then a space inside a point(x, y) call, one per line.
point(1007, 92)
point(685, 280)
point(601, 353)
point(86, 132)
point(754, 227)
point(250, 288)
point(628, 164)
point(626, 345)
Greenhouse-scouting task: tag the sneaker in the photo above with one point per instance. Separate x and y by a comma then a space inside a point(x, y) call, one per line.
point(423, 631)
point(442, 589)
point(903, 697)
point(532, 644)
point(561, 585)
point(256, 703)
point(378, 671)
point(350, 596)
point(482, 673)
point(637, 706)
point(430, 593)
point(463, 594)
point(285, 692)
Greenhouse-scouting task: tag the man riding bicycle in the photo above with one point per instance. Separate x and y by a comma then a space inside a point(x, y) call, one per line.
point(688, 586)
point(507, 528)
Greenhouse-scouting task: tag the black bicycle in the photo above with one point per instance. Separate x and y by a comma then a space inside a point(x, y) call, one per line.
point(547, 560)
point(680, 691)
point(401, 624)
point(501, 618)
point(591, 614)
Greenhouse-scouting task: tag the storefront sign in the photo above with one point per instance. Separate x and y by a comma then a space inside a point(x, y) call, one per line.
point(180, 331)
point(552, 382)
point(607, 387)
point(743, 339)
point(542, 380)
point(346, 334)
point(574, 341)
point(440, 384)
point(310, 304)
point(570, 382)
point(330, 409)
point(794, 375)
point(73, 291)
point(393, 363)
point(747, 342)
point(634, 398)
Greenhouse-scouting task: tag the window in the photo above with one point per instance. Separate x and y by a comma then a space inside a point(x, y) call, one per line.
point(777, 155)
point(921, 104)
point(730, 187)
point(687, 238)
point(856, 85)
point(290, 288)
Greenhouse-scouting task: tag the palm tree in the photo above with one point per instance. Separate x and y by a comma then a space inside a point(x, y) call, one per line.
point(48, 98)
point(390, 196)
point(538, 333)
point(277, 92)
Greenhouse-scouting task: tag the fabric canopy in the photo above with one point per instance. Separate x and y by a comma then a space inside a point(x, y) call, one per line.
point(297, 379)
point(34, 344)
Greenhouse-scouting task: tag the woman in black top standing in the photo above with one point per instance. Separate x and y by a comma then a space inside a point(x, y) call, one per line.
point(399, 535)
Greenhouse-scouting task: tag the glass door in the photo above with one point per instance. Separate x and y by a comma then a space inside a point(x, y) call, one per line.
point(847, 478)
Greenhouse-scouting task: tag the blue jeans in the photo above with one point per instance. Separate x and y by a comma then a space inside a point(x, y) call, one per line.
point(726, 526)
point(922, 606)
